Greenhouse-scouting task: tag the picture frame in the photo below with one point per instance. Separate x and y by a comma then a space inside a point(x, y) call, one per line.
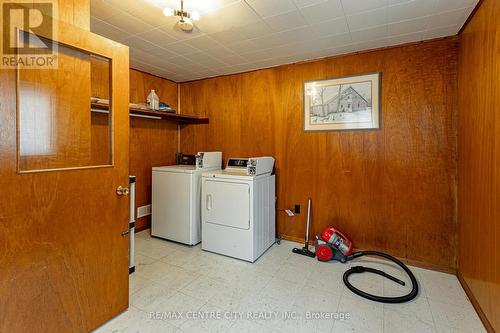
point(358, 107)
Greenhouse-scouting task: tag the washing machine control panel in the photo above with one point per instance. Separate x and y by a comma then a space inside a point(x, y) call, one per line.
point(206, 160)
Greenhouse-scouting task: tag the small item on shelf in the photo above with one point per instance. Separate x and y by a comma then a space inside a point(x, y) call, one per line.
point(166, 108)
point(100, 105)
point(142, 106)
point(98, 100)
point(153, 101)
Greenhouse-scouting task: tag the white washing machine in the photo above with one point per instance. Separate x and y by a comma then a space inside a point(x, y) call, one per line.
point(238, 208)
point(176, 199)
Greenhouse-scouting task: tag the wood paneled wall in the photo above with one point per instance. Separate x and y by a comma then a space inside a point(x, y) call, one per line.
point(391, 190)
point(76, 12)
point(479, 161)
point(152, 142)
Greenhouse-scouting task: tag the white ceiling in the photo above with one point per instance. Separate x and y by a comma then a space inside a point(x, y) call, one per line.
point(243, 35)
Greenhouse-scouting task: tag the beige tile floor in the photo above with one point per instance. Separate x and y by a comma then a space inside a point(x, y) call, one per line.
point(174, 286)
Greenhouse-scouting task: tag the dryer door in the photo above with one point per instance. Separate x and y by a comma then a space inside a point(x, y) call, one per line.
point(227, 204)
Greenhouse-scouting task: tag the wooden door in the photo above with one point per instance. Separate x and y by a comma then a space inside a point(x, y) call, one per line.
point(63, 260)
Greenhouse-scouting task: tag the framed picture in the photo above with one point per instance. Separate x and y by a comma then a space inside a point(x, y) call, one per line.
point(340, 104)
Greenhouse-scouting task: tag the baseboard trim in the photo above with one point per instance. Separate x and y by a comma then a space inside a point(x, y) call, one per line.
point(142, 227)
point(429, 266)
point(475, 303)
point(296, 240)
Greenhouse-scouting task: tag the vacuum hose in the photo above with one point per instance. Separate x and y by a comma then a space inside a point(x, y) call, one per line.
point(360, 269)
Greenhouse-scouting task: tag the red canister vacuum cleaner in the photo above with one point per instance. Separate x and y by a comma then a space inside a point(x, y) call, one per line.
point(333, 239)
point(334, 245)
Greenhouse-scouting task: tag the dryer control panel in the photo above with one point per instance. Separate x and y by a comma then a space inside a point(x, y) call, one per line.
point(260, 166)
point(237, 164)
point(253, 166)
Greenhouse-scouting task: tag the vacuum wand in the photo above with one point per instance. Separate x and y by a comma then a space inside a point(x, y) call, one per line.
point(308, 223)
point(305, 250)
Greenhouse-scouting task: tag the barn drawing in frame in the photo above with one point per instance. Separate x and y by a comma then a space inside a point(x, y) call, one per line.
point(340, 104)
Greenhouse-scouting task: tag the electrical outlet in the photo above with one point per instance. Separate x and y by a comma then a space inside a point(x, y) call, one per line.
point(143, 211)
point(296, 210)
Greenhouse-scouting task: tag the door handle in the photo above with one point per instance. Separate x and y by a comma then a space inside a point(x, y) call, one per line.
point(122, 190)
point(209, 202)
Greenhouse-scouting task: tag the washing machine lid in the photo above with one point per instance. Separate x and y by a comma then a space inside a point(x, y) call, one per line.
point(176, 168)
point(181, 169)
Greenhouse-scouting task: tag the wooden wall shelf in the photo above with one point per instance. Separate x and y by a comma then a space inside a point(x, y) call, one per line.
point(135, 112)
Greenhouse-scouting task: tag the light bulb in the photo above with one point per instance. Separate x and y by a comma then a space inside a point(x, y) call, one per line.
point(195, 16)
point(168, 11)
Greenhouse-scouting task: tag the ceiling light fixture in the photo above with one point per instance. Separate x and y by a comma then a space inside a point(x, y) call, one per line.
point(185, 22)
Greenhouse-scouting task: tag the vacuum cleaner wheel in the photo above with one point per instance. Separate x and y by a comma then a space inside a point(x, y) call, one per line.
point(324, 252)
